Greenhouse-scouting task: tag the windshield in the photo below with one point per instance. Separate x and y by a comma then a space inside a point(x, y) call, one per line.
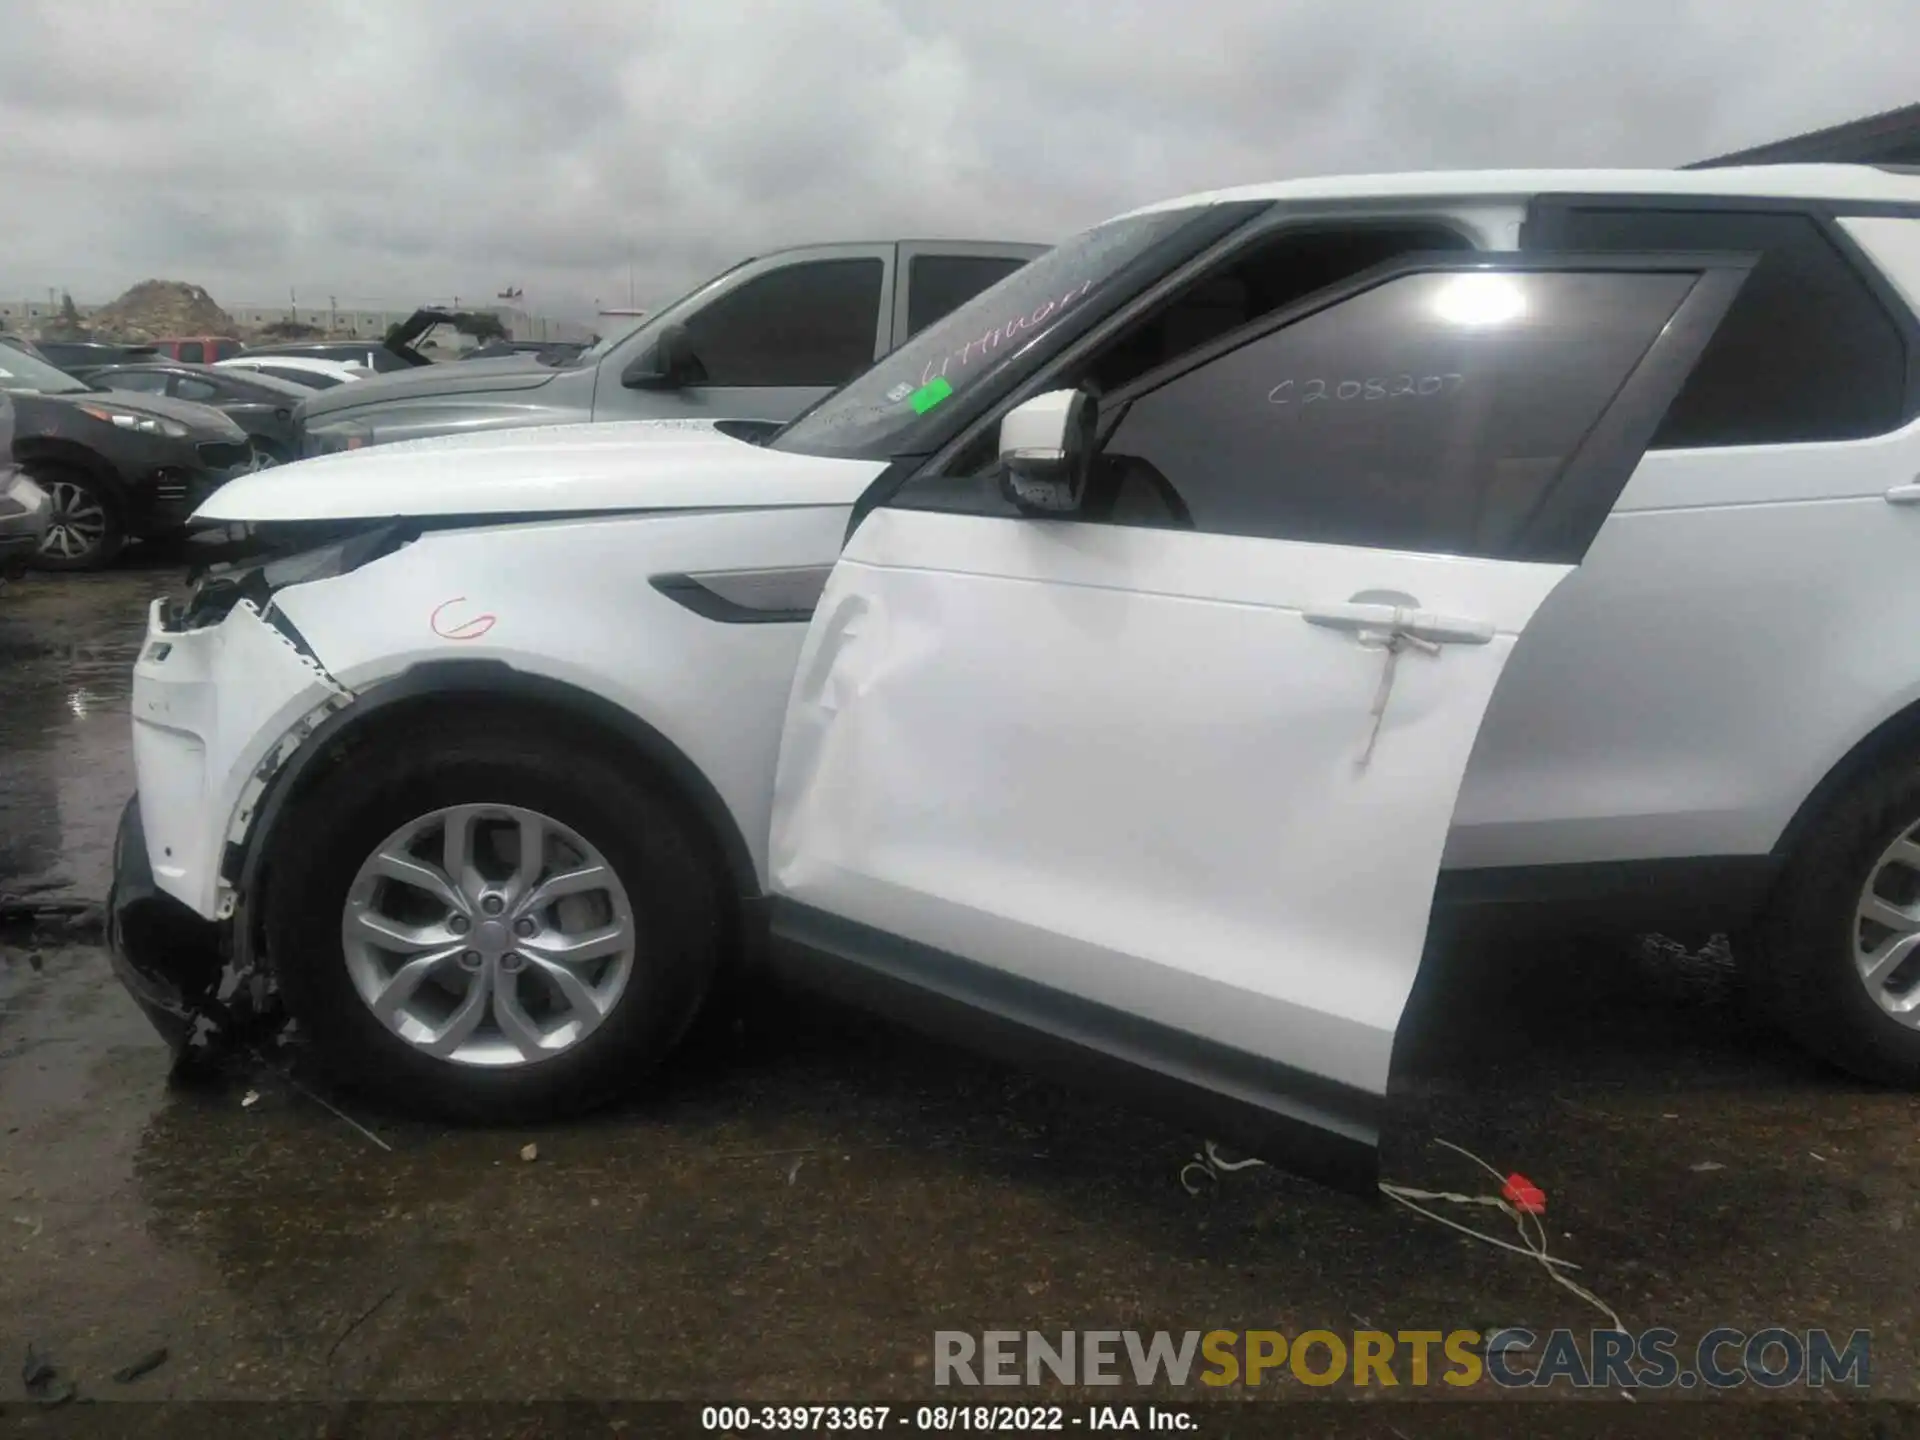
point(21, 371)
point(872, 415)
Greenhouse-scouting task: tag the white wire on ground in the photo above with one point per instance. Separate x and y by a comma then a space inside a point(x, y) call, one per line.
point(1533, 1244)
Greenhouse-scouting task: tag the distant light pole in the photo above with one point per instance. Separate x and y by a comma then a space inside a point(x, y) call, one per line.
point(333, 314)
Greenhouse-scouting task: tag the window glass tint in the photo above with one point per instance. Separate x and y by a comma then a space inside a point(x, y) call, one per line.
point(937, 284)
point(145, 382)
point(1433, 413)
point(191, 351)
point(1806, 353)
point(1280, 271)
point(226, 349)
point(192, 387)
point(808, 324)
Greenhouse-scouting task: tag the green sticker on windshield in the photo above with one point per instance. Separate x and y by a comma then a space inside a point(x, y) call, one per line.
point(931, 394)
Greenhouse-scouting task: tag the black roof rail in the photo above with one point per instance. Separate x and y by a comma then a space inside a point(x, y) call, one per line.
point(1889, 140)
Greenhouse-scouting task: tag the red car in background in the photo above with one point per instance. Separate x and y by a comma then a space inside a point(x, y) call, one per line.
point(199, 349)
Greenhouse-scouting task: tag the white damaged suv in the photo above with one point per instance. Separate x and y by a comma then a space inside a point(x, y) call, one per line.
point(1112, 673)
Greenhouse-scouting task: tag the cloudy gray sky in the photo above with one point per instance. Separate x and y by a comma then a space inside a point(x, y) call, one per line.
point(388, 151)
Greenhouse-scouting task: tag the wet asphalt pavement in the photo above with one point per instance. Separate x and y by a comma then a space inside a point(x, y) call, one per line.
point(794, 1210)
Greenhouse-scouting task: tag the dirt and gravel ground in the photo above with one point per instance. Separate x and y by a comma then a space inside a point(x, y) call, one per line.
point(795, 1209)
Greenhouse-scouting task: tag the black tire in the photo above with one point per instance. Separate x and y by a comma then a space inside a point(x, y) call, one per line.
point(1806, 979)
point(675, 888)
point(67, 485)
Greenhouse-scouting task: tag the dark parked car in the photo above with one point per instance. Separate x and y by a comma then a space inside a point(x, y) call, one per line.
point(115, 467)
point(23, 504)
point(77, 357)
point(258, 403)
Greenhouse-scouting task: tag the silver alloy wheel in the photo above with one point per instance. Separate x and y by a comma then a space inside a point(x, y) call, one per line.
point(1886, 930)
point(488, 935)
point(76, 522)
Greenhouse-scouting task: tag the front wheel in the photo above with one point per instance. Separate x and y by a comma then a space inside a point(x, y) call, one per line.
point(1839, 946)
point(491, 926)
point(84, 529)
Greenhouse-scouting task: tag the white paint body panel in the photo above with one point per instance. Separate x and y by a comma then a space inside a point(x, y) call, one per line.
point(1734, 632)
point(1120, 763)
point(571, 601)
point(310, 365)
point(629, 465)
point(203, 719)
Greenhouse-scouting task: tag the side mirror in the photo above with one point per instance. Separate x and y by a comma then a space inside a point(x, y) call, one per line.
point(1046, 448)
point(668, 365)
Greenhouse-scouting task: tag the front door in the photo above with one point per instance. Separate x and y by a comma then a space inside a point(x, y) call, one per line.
point(1159, 790)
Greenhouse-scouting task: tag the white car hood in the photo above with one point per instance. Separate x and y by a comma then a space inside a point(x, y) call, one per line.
point(553, 469)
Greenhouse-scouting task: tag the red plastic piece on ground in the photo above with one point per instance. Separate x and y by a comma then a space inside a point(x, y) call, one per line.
point(1524, 1195)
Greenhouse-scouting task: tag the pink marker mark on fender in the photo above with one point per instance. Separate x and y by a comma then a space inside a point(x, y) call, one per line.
point(466, 629)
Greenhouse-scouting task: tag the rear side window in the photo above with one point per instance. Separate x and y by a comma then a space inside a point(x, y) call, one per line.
point(226, 349)
point(810, 324)
point(191, 351)
point(937, 284)
point(1807, 353)
point(1435, 413)
point(146, 382)
point(192, 387)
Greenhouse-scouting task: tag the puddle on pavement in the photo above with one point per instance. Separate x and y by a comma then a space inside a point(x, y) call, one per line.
point(67, 648)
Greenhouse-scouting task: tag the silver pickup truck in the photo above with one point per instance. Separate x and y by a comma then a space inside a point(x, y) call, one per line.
point(760, 341)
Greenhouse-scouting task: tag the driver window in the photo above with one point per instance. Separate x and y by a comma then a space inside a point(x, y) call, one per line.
point(1284, 269)
point(809, 324)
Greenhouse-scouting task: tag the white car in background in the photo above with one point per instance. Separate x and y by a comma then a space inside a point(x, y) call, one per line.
point(300, 369)
point(1111, 672)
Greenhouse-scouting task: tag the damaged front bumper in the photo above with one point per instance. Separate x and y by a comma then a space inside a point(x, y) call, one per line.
point(172, 961)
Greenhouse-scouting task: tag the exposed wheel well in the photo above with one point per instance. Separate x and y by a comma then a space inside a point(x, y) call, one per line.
point(439, 694)
point(45, 450)
point(1898, 734)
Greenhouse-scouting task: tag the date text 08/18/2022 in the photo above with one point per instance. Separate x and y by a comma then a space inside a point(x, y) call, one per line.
point(741, 1419)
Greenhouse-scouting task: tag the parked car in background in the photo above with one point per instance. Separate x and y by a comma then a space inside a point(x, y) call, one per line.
point(78, 357)
point(24, 506)
point(760, 342)
point(301, 370)
point(549, 350)
point(259, 403)
point(115, 467)
point(1102, 675)
point(199, 349)
point(368, 354)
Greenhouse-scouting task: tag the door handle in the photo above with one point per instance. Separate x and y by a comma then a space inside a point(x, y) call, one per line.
point(1401, 620)
point(1904, 494)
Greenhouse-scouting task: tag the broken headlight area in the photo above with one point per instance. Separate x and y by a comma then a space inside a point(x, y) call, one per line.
point(272, 557)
